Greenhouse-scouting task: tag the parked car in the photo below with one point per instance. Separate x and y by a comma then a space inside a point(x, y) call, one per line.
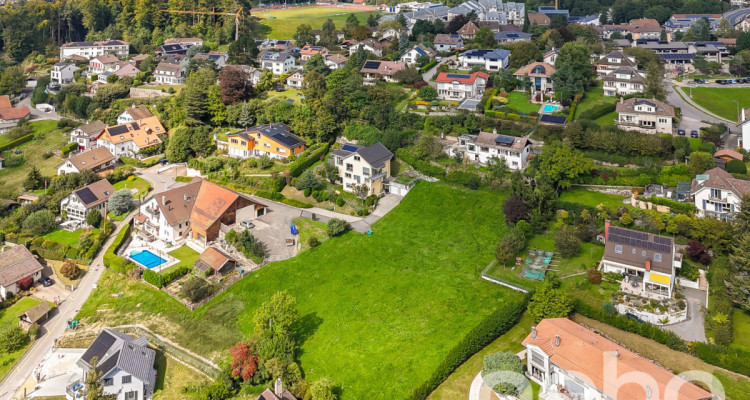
point(247, 224)
point(698, 80)
point(694, 134)
point(45, 281)
point(681, 132)
point(634, 317)
point(720, 81)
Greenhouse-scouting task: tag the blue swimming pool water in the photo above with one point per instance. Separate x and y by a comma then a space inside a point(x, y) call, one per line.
point(550, 108)
point(147, 259)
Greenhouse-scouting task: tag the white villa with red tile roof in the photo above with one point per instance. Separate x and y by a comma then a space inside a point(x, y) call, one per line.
point(461, 86)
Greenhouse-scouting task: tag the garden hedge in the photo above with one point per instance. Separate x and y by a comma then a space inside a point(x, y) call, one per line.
point(307, 159)
point(427, 66)
point(421, 166)
point(111, 259)
point(17, 142)
point(674, 206)
point(161, 280)
point(597, 111)
point(68, 148)
point(494, 325)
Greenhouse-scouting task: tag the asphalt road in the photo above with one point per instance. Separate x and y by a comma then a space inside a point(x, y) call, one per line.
point(692, 115)
point(55, 327)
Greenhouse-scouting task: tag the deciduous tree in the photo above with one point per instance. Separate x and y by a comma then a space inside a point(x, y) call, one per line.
point(573, 74)
point(549, 301)
point(120, 202)
point(235, 85)
point(244, 362)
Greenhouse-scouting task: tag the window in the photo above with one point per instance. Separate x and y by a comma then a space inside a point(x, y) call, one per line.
point(109, 381)
point(357, 158)
point(339, 161)
point(365, 171)
point(127, 379)
point(131, 395)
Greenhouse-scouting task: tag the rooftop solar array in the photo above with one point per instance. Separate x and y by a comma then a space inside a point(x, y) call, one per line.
point(372, 64)
point(676, 56)
point(86, 195)
point(458, 76)
point(640, 239)
point(505, 139)
point(349, 147)
point(118, 130)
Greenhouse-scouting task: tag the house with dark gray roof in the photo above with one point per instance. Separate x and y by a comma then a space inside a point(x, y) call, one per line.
point(90, 197)
point(718, 194)
point(363, 165)
point(126, 365)
point(16, 264)
point(623, 81)
point(645, 115)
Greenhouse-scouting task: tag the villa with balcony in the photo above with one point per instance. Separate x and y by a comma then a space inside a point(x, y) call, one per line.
point(644, 115)
point(539, 75)
point(360, 165)
point(718, 194)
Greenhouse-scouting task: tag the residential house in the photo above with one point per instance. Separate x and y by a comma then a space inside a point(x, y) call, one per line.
point(718, 194)
point(744, 25)
point(130, 138)
point(134, 113)
point(296, 79)
point(121, 69)
point(482, 148)
point(339, 34)
point(411, 56)
point(550, 57)
point(389, 34)
point(511, 37)
point(468, 31)
point(170, 49)
point(278, 392)
point(712, 51)
point(17, 264)
point(89, 50)
point(252, 74)
point(613, 61)
point(35, 315)
point(335, 61)
point(167, 73)
point(10, 114)
point(447, 42)
point(623, 81)
point(308, 51)
point(216, 206)
point(488, 59)
point(728, 155)
point(86, 135)
point(539, 75)
point(588, 20)
point(737, 16)
point(551, 11)
point(28, 198)
point(95, 160)
point(185, 41)
point(644, 115)
point(371, 45)
point(166, 215)
point(620, 44)
point(218, 57)
point(461, 86)
point(744, 123)
point(539, 19)
point(62, 73)
point(90, 197)
point(126, 365)
point(570, 361)
point(360, 165)
point(138, 59)
point(278, 63)
point(275, 45)
point(505, 13)
point(214, 261)
point(437, 12)
point(648, 261)
point(644, 28)
point(683, 22)
point(374, 70)
point(273, 140)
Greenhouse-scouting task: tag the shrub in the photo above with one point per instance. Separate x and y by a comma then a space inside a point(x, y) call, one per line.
point(68, 148)
point(736, 167)
point(70, 270)
point(12, 338)
point(196, 289)
point(307, 159)
point(25, 283)
point(340, 201)
point(306, 192)
point(17, 142)
point(595, 276)
point(120, 202)
point(337, 227)
point(94, 218)
point(313, 241)
point(39, 222)
point(597, 111)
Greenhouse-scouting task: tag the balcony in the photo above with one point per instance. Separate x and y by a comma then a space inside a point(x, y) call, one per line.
point(716, 199)
point(76, 390)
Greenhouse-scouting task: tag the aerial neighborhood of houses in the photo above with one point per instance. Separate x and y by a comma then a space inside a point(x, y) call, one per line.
point(208, 202)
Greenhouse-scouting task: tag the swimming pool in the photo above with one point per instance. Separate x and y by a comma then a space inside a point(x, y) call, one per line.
point(550, 108)
point(147, 258)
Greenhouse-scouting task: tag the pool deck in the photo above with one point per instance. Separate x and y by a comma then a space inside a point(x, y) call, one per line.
point(543, 111)
point(170, 260)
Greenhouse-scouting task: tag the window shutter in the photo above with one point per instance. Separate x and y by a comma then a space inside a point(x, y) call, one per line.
point(704, 204)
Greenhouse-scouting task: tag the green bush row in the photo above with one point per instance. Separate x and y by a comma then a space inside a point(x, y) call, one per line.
point(573, 107)
point(427, 66)
point(17, 142)
point(307, 159)
point(720, 329)
point(111, 259)
point(597, 111)
point(68, 148)
point(674, 206)
point(162, 279)
point(421, 166)
point(496, 324)
point(296, 203)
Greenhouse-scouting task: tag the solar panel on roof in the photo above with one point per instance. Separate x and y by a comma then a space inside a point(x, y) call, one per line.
point(458, 76)
point(86, 195)
point(504, 140)
point(118, 130)
point(372, 64)
point(349, 147)
point(512, 35)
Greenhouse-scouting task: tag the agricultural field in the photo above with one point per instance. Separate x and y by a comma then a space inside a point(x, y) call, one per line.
point(282, 24)
point(378, 321)
point(720, 101)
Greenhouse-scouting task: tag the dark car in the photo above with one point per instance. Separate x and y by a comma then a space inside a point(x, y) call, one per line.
point(45, 281)
point(634, 317)
point(681, 132)
point(694, 134)
point(698, 80)
point(720, 81)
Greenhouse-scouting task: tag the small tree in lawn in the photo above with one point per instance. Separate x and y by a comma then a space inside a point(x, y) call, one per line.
point(94, 218)
point(70, 270)
point(12, 338)
point(94, 386)
point(428, 93)
point(244, 360)
point(34, 180)
point(39, 222)
point(361, 191)
point(567, 242)
point(120, 202)
point(329, 172)
point(503, 372)
point(508, 247)
point(549, 301)
point(308, 181)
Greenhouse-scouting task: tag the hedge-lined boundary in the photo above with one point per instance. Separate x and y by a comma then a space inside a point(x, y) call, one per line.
point(307, 159)
point(162, 279)
point(111, 259)
point(598, 111)
point(427, 66)
point(139, 163)
point(676, 207)
point(574, 107)
point(494, 325)
point(17, 142)
point(421, 166)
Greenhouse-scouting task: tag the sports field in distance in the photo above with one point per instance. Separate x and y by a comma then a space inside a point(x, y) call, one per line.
point(720, 100)
point(283, 23)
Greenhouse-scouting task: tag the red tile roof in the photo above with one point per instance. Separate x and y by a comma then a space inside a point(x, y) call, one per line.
point(445, 77)
point(212, 202)
point(8, 112)
point(214, 258)
point(729, 153)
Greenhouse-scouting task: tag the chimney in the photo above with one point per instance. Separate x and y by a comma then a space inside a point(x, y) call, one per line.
point(606, 229)
point(533, 332)
point(557, 340)
point(648, 265)
point(278, 387)
point(164, 200)
point(494, 130)
point(622, 99)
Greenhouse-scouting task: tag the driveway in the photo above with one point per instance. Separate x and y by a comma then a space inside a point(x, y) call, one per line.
point(54, 373)
point(159, 182)
point(692, 329)
point(36, 114)
point(272, 229)
point(427, 76)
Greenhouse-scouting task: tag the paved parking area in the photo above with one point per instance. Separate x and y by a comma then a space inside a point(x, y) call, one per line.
point(692, 329)
point(272, 229)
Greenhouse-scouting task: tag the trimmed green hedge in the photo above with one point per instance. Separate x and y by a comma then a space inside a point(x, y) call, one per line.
point(421, 166)
point(111, 259)
point(674, 206)
point(307, 159)
point(573, 107)
point(17, 142)
point(496, 324)
point(296, 203)
point(68, 148)
point(597, 111)
point(161, 280)
point(427, 66)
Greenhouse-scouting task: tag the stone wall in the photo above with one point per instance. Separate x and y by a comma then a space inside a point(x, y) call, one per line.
point(645, 205)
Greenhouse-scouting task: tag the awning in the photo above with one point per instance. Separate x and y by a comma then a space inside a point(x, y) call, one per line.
point(660, 279)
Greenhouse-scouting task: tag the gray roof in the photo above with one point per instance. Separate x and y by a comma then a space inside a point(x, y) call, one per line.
point(376, 155)
point(115, 349)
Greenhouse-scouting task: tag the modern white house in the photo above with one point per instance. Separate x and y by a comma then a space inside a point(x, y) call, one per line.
point(62, 73)
point(360, 165)
point(623, 81)
point(502, 12)
point(461, 86)
point(278, 63)
point(96, 159)
point(126, 365)
point(550, 57)
point(488, 59)
point(505, 37)
point(134, 113)
point(169, 74)
point(89, 50)
point(90, 197)
point(411, 56)
point(448, 42)
point(539, 76)
point(192, 41)
point(644, 115)
point(646, 261)
point(17, 264)
point(718, 194)
point(86, 135)
point(370, 45)
point(167, 214)
point(570, 361)
point(487, 146)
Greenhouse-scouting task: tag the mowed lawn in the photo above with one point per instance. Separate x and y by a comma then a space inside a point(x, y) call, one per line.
point(741, 322)
point(9, 317)
point(595, 96)
point(593, 199)
point(283, 23)
point(139, 184)
point(42, 152)
point(720, 101)
point(66, 237)
point(379, 312)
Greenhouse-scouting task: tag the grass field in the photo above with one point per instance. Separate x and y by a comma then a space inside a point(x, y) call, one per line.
point(521, 103)
point(720, 101)
point(293, 94)
point(9, 316)
point(34, 153)
point(308, 229)
point(594, 96)
point(66, 237)
point(741, 321)
point(186, 255)
point(171, 377)
point(140, 184)
point(592, 199)
point(282, 24)
point(378, 312)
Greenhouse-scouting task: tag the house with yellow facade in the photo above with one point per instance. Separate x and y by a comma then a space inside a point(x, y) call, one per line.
point(273, 140)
